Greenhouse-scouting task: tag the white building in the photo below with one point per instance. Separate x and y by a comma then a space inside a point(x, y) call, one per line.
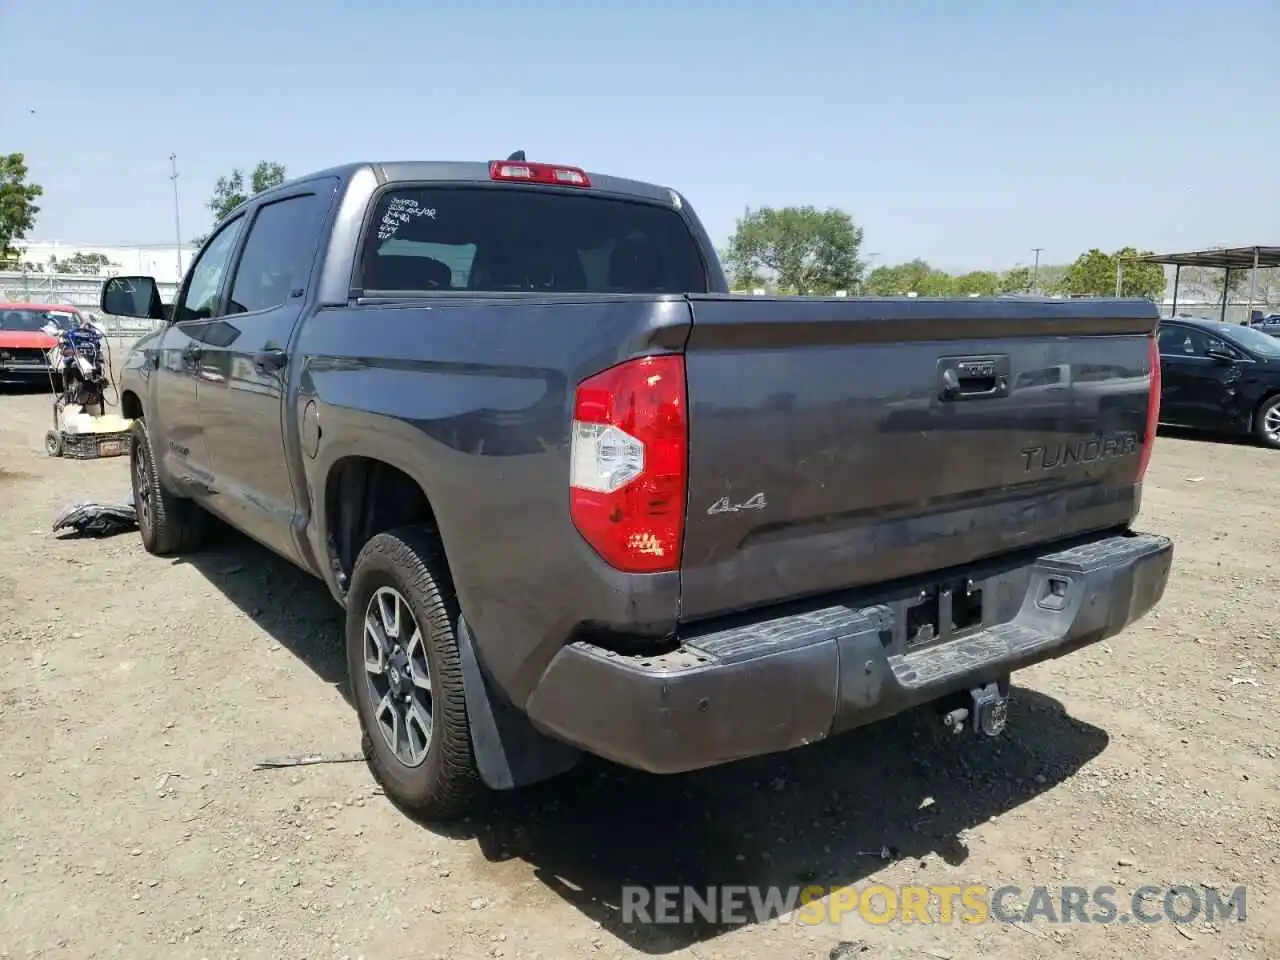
point(157, 260)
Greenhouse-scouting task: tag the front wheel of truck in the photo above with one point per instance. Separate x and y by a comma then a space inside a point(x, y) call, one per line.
point(406, 676)
point(168, 524)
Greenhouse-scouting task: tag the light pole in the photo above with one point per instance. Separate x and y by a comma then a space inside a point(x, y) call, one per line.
point(177, 223)
point(1035, 271)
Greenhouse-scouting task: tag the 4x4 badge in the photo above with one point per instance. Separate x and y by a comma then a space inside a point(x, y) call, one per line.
point(723, 505)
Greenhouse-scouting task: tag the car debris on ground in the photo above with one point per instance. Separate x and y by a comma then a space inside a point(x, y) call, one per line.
point(98, 519)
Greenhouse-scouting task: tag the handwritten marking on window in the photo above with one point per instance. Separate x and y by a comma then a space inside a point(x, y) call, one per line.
point(399, 212)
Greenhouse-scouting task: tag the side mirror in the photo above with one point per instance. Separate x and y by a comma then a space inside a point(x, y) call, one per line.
point(1220, 356)
point(132, 297)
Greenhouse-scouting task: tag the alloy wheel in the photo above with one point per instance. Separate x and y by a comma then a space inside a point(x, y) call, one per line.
point(398, 675)
point(142, 488)
point(1271, 424)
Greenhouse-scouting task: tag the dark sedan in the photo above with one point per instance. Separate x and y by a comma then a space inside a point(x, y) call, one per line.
point(1268, 325)
point(1220, 376)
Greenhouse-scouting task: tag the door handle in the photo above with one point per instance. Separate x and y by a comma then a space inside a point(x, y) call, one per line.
point(269, 361)
point(973, 378)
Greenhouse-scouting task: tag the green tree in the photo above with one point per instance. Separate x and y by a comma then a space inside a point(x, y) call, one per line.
point(802, 249)
point(91, 264)
point(1015, 280)
point(1140, 279)
point(985, 283)
point(1093, 274)
point(751, 280)
point(230, 191)
point(881, 282)
point(914, 276)
point(17, 203)
point(1049, 278)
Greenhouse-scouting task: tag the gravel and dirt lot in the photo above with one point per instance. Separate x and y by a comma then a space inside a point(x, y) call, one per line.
point(138, 695)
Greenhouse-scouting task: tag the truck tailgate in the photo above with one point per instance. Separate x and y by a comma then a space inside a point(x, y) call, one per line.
point(837, 443)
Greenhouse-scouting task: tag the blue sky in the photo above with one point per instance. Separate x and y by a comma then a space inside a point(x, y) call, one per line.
point(963, 132)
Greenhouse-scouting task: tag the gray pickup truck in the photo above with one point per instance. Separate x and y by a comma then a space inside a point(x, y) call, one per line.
point(575, 496)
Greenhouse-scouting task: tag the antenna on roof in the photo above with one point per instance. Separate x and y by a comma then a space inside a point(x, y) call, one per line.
point(517, 157)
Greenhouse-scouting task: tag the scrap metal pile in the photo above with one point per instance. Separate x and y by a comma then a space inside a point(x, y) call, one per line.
point(83, 429)
point(83, 368)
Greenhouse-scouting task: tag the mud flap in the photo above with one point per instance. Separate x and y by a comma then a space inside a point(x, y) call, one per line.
point(509, 752)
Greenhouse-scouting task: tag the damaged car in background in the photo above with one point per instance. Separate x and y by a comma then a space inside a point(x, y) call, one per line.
point(29, 341)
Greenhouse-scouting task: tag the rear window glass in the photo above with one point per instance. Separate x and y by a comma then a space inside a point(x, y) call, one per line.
point(498, 240)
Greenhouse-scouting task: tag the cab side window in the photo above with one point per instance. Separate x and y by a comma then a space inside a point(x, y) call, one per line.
point(1173, 341)
point(201, 297)
point(1186, 342)
point(278, 253)
point(1221, 346)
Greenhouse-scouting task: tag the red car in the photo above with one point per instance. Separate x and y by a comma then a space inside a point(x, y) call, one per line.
point(24, 341)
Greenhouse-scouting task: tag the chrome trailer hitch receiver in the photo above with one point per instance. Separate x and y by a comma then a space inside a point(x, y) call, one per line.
point(989, 713)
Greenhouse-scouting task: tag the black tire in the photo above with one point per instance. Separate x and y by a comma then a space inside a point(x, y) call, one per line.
point(53, 443)
point(446, 784)
point(1268, 434)
point(168, 524)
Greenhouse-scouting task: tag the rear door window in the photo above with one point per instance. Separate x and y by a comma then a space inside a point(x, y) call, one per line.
point(516, 239)
point(1183, 342)
point(278, 253)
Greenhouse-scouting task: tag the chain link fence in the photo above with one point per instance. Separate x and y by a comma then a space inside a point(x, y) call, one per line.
point(81, 290)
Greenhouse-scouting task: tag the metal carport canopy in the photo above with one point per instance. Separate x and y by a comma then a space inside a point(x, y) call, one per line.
point(1227, 258)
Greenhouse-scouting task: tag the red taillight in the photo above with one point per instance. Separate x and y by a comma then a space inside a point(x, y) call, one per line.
point(538, 173)
point(1153, 409)
point(627, 463)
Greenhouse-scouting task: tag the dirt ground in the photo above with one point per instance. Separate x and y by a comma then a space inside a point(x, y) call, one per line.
point(138, 694)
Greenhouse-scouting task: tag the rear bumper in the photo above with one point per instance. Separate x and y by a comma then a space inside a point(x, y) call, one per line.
point(775, 684)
